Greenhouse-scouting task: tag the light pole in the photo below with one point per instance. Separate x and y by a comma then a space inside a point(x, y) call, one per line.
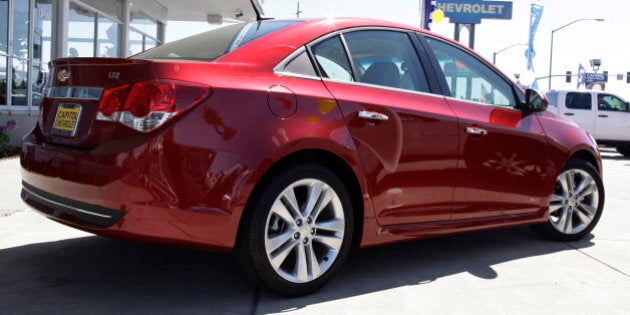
point(494, 54)
point(551, 49)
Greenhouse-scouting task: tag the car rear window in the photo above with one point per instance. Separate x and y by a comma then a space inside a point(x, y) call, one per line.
point(213, 44)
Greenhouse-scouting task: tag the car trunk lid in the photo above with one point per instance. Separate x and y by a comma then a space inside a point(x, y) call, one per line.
point(89, 101)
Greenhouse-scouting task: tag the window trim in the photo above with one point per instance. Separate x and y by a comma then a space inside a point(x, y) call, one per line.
point(421, 53)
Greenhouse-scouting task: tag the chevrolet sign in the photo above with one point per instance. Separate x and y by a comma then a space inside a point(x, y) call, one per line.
point(472, 11)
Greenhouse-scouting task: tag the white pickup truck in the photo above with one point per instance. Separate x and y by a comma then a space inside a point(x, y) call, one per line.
point(604, 115)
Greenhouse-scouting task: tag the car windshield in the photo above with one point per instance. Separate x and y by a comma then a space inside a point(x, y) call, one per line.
point(213, 44)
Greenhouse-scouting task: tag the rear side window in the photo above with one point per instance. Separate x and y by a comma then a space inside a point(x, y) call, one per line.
point(213, 44)
point(377, 57)
point(332, 60)
point(386, 58)
point(577, 100)
point(301, 65)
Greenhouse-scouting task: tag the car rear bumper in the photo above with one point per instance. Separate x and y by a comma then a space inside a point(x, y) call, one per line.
point(69, 210)
point(156, 190)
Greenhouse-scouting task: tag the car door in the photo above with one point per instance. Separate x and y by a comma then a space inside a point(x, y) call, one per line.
point(406, 137)
point(613, 118)
point(502, 150)
point(578, 107)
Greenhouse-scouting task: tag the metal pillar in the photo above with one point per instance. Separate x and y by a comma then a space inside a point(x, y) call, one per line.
point(123, 30)
point(161, 33)
point(471, 33)
point(61, 13)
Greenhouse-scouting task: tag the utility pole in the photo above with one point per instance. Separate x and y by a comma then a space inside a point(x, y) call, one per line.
point(298, 10)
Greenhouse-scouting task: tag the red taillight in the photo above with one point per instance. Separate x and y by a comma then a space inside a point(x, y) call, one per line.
point(113, 99)
point(146, 105)
point(150, 96)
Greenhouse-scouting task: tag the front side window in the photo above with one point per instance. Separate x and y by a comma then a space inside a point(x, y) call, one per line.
point(576, 100)
point(386, 58)
point(607, 102)
point(470, 79)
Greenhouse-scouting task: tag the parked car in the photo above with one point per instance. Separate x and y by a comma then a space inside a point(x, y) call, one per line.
point(605, 115)
point(290, 142)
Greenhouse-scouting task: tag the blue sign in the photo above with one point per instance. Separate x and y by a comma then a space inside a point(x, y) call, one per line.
point(593, 79)
point(472, 11)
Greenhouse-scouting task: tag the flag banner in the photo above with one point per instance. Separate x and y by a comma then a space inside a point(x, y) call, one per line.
point(581, 79)
point(537, 9)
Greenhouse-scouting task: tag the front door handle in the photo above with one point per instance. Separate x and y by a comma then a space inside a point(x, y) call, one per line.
point(569, 114)
point(603, 116)
point(476, 131)
point(372, 115)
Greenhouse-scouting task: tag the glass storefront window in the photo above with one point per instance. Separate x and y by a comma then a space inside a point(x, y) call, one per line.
point(111, 8)
point(20, 52)
point(4, 49)
point(81, 32)
point(107, 38)
point(42, 33)
point(143, 22)
point(3, 80)
point(135, 43)
point(149, 43)
point(20, 82)
point(93, 31)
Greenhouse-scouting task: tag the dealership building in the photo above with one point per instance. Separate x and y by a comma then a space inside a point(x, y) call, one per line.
point(34, 32)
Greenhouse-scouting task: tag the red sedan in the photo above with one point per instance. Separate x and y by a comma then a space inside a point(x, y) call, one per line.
point(290, 142)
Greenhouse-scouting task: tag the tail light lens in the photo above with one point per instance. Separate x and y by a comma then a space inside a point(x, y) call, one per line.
point(147, 105)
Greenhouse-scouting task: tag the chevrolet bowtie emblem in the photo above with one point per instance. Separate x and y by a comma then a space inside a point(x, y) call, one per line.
point(63, 75)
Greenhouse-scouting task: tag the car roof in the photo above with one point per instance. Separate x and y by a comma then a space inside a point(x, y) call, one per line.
point(278, 45)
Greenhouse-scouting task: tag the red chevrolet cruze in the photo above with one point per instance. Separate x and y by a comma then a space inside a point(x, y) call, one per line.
point(290, 142)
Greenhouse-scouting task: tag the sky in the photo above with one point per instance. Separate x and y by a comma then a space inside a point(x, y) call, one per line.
point(573, 45)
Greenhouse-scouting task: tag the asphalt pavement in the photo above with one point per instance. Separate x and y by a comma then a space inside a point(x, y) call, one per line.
point(48, 268)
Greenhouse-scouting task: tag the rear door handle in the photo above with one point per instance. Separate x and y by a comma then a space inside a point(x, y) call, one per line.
point(602, 116)
point(569, 114)
point(372, 115)
point(476, 131)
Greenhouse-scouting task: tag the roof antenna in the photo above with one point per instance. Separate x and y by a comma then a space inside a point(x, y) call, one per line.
point(259, 11)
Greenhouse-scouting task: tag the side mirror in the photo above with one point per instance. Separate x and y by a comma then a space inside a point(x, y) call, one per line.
point(535, 101)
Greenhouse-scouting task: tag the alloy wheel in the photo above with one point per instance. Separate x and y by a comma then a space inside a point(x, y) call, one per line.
point(305, 230)
point(574, 202)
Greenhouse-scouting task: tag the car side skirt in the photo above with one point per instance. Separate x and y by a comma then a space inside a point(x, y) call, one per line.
point(375, 235)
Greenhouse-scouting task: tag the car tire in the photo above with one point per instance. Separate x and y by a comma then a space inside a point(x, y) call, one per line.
point(294, 253)
point(576, 203)
point(624, 149)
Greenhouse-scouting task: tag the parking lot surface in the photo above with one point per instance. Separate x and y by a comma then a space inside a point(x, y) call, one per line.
point(48, 268)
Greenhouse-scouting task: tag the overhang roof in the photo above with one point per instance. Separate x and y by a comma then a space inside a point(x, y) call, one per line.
point(210, 10)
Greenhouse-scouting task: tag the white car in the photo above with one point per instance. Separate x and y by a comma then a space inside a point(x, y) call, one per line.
point(604, 115)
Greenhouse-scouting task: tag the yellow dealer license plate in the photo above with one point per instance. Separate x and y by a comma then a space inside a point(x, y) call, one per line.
point(67, 119)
